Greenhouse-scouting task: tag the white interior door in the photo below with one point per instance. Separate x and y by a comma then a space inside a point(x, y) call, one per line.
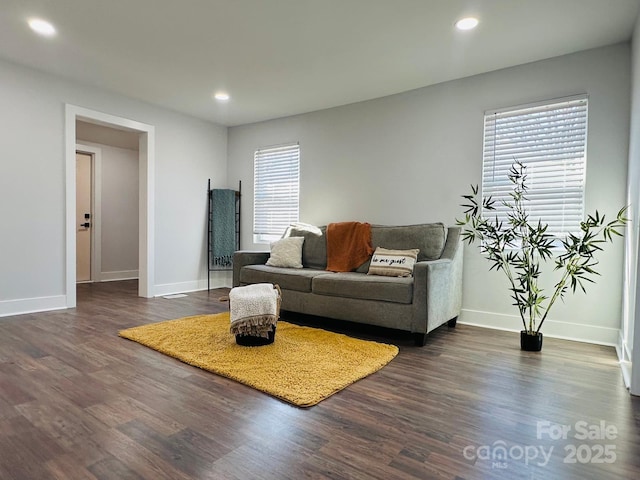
point(83, 217)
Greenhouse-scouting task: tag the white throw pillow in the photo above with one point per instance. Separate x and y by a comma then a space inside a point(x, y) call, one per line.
point(287, 253)
point(393, 263)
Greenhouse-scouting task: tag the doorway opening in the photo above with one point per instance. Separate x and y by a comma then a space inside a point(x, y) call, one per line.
point(146, 162)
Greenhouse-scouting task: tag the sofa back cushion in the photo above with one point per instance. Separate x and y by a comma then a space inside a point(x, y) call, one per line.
point(429, 238)
point(314, 248)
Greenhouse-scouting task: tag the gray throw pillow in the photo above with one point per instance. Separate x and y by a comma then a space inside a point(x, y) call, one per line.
point(314, 248)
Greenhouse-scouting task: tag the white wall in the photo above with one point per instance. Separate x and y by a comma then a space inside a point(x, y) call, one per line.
point(407, 158)
point(32, 186)
point(119, 223)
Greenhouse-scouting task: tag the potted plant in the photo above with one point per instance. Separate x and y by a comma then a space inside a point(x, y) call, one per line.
point(520, 247)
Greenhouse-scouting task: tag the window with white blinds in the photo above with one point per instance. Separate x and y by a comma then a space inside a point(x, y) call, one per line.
point(550, 140)
point(276, 174)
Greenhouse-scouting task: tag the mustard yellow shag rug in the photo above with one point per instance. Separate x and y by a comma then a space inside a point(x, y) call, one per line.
point(303, 366)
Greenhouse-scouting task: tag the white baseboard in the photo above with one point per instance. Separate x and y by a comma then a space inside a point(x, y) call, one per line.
point(551, 328)
point(218, 280)
point(32, 305)
point(116, 276)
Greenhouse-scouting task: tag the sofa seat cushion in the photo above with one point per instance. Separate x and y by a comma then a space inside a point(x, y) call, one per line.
point(365, 287)
point(287, 278)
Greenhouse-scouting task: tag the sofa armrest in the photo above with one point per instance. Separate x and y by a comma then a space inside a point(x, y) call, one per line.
point(437, 294)
point(246, 257)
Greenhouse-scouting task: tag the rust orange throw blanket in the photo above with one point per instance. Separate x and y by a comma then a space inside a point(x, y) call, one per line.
point(348, 245)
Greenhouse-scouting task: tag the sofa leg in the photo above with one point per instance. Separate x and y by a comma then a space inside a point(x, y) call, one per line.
point(419, 339)
point(452, 323)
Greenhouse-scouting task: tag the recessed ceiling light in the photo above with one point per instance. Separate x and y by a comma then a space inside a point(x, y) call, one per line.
point(221, 96)
point(42, 27)
point(467, 23)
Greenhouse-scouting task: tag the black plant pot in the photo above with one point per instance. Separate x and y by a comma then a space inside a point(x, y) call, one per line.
point(530, 343)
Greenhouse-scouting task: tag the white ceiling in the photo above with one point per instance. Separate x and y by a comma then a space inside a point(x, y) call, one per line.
point(283, 57)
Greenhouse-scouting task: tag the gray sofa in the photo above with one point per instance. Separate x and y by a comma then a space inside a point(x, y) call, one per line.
point(418, 304)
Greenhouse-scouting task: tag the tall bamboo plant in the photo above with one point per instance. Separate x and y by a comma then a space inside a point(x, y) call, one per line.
point(518, 247)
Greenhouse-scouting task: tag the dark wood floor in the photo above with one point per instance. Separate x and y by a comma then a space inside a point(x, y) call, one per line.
point(78, 402)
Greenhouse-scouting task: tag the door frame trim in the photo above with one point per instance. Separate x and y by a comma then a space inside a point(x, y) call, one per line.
point(146, 196)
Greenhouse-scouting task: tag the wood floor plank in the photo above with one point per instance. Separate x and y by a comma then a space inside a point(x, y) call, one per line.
point(113, 469)
point(79, 402)
point(65, 467)
point(184, 457)
point(138, 457)
point(25, 451)
point(65, 423)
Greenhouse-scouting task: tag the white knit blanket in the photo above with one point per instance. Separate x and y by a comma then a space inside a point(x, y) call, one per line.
point(254, 309)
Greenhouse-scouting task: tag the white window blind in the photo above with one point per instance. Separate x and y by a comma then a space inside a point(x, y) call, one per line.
point(550, 140)
point(276, 191)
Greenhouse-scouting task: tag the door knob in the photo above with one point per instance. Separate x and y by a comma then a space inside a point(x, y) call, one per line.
point(85, 225)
